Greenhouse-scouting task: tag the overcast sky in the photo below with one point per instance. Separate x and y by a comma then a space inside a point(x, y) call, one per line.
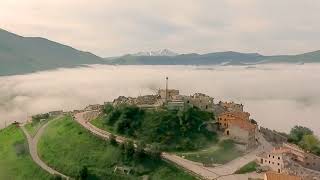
point(115, 27)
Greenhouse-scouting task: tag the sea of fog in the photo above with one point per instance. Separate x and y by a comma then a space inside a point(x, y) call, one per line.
point(277, 96)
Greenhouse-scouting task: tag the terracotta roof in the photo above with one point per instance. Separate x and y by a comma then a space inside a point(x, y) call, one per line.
point(280, 150)
point(277, 176)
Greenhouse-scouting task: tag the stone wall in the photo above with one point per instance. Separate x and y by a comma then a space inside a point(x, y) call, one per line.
point(90, 115)
point(273, 136)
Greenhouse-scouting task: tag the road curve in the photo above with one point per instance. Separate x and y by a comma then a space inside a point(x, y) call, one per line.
point(33, 142)
point(222, 172)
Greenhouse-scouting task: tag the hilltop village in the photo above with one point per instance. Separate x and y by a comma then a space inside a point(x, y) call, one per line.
point(288, 160)
point(275, 157)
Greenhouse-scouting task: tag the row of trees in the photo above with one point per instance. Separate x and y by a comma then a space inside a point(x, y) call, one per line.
point(178, 129)
point(305, 138)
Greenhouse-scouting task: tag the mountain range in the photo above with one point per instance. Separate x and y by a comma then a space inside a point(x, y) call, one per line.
point(22, 55)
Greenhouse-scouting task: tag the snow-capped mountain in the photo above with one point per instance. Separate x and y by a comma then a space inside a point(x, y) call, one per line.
point(163, 52)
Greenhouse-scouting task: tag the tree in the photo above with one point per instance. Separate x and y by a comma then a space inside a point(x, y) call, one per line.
point(56, 177)
point(310, 143)
point(83, 173)
point(139, 153)
point(297, 133)
point(112, 140)
point(128, 150)
point(154, 152)
point(108, 108)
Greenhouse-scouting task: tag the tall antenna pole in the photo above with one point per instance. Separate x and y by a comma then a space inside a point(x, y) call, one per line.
point(167, 89)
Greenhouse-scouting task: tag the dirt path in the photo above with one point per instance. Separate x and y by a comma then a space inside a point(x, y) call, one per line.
point(220, 172)
point(33, 142)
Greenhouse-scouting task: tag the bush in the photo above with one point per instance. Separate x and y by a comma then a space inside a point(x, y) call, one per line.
point(129, 150)
point(83, 173)
point(139, 153)
point(20, 148)
point(250, 167)
point(112, 140)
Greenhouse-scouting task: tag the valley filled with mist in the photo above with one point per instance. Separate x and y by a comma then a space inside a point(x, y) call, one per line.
point(277, 96)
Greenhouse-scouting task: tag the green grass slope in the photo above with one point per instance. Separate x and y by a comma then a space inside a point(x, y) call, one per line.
point(20, 55)
point(15, 161)
point(68, 147)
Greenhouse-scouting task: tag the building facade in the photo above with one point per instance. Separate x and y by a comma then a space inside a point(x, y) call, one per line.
point(227, 118)
point(277, 176)
point(202, 101)
point(231, 106)
point(290, 159)
point(238, 126)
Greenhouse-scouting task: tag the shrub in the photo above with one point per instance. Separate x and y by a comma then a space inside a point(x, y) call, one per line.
point(112, 140)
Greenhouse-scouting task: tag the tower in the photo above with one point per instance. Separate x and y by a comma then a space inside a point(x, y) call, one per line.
point(167, 89)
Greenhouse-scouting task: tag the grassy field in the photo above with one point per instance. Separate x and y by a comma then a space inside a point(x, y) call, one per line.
point(68, 147)
point(219, 153)
point(15, 161)
point(250, 167)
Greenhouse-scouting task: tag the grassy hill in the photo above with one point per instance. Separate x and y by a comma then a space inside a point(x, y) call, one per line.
point(15, 161)
point(68, 147)
point(21, 55)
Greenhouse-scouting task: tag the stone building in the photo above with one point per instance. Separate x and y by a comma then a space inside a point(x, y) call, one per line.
point(94, 107)
point(305, 159)
point(275, 159)
point(226, 118)
point(277, 176)
point(290, 159)
point(146, 100)
point(202, 101)
point(124, 100)
point(169, 94)
point(242, 132)
point(238, 126)
point(231, 106)
point(56, 113)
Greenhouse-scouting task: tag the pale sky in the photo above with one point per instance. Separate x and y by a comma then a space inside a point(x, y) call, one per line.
point(116, 27)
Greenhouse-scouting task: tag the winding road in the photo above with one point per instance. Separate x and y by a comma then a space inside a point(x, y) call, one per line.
point(33, 142)
point(223, 172)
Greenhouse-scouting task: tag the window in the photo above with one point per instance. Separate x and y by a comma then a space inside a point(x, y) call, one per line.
point(269, 155)
point(278, 170)
point(279, 158)
point(273, 157)
point(269, 162)
point(278, 164)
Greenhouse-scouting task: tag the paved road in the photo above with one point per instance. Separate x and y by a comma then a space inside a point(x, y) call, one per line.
point(33, 142)
point(223, 172)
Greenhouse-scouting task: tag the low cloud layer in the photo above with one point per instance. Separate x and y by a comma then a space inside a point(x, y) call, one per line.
point(277, 96)
point(113, 27)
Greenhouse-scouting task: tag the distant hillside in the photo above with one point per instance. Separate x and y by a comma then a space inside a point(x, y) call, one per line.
point(20, 55)
point(219, 58)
